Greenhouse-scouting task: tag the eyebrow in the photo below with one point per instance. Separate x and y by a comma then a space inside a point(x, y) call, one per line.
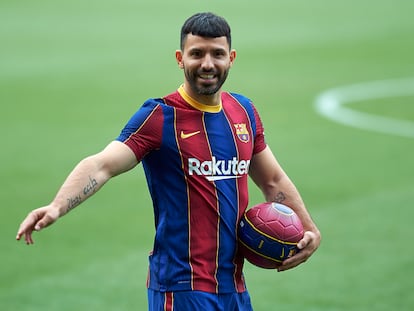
point(215, 49)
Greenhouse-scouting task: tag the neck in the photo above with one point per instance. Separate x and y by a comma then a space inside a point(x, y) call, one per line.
point(209, 100)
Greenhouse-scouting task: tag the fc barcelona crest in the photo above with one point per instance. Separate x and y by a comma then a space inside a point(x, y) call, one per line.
point(241, 132)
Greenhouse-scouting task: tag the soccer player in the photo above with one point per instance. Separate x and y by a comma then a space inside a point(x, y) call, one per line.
point(198, 145)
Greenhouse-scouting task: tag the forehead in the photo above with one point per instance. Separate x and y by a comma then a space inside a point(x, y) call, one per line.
point(198, 42)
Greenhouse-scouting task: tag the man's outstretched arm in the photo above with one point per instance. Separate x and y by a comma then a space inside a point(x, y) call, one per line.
point(85, 180)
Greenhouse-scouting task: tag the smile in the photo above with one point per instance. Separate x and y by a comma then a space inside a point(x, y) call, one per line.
point(207, 76)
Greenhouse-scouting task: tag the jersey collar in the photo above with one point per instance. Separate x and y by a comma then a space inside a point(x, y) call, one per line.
point(197, 105)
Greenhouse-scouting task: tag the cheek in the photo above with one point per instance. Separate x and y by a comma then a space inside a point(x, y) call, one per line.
point(188, 73)
point(189, 67)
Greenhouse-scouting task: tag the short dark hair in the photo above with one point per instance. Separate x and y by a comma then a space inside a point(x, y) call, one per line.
point(207, 25)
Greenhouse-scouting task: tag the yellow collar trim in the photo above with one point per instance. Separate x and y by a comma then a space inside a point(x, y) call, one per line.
point(199, 106)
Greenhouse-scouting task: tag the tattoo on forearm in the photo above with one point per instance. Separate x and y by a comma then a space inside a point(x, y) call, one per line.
point(73, 202)
point(280, 197)
point(91, 186)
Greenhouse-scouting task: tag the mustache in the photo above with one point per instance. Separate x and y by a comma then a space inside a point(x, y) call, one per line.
point(210, 71)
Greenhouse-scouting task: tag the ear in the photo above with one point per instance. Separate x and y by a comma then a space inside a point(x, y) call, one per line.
point(179, 58)
point(233, 55)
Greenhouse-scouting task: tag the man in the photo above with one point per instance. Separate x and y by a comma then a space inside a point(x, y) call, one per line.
point(197, 146)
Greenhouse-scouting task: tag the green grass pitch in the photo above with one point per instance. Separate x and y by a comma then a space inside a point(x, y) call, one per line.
point(73, 72)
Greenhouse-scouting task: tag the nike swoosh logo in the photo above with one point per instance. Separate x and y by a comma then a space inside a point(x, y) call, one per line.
point(188, 135)
point(283, 253)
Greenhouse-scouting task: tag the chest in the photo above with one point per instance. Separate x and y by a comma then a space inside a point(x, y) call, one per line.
point(212, 136)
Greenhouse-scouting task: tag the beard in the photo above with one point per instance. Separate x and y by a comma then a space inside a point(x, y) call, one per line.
point(205, 88)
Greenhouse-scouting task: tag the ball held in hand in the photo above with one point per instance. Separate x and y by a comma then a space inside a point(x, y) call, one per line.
point(269, 233)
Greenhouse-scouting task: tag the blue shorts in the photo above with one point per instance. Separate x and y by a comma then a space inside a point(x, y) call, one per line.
point(196, 300)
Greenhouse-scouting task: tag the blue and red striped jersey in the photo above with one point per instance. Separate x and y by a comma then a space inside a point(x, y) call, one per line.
point(196, 161)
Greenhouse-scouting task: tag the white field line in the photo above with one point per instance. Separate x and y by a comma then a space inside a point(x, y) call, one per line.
point(331, 104)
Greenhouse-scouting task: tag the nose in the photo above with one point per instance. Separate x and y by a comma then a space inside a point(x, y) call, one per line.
point(207, 63)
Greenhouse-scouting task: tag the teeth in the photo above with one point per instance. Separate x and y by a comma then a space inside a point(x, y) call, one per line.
point(207, 76)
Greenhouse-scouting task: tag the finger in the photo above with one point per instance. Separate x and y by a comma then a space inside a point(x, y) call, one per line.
point(19, 235)
point(295, 260)
point(22, 231)
point(28, 238)
point(306, 246)
point(307, 238)
point(292, 262)
point(303, 243)
point(26, 227)
point(25, 232)
point(44, 222)
point(28, 222)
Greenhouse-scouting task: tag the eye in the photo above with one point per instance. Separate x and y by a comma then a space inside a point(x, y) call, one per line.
point(220, 53)
point(195, 53)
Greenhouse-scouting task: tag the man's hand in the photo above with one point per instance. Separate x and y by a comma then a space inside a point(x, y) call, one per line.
point(35, 221)
point(308, 245)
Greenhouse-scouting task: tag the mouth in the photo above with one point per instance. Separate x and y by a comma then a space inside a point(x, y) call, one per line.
point(207, 77)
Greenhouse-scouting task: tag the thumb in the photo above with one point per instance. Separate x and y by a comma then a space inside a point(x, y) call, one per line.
point(307, 237)
point(39, 226)
point(44, 222)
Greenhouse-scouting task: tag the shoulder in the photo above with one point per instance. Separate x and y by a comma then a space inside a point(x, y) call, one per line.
point(237, 97)
point(240, 99)
point(230, 98)
point(153, 105)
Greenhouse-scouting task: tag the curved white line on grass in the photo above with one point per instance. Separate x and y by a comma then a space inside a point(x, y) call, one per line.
point(331, 105)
